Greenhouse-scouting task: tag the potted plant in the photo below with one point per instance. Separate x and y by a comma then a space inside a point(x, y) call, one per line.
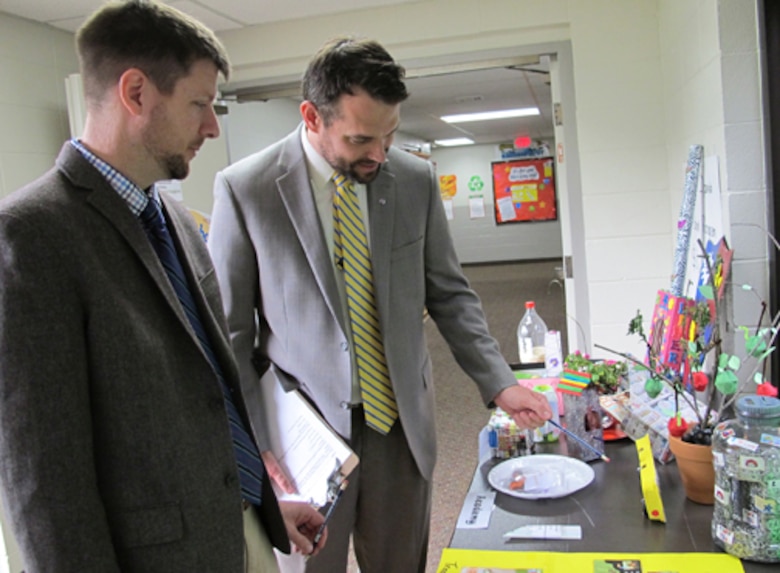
point(605, 375)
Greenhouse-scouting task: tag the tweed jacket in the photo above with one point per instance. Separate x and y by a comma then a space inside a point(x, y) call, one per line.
point(115, 450)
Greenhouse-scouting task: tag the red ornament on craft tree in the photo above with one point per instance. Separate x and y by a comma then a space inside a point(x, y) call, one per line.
point(677, 428)
point(700, 381)
point(766, 389)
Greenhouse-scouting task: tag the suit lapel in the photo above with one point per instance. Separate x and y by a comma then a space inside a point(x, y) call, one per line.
point(183, 238)
point(110, 205)
point(295, 191)
point(381, 212)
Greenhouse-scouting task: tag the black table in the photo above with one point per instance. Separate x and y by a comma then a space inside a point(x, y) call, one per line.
point(609, 511)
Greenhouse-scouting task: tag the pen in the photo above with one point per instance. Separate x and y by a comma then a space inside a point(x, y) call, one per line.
point(580, 440)
point(328, 514)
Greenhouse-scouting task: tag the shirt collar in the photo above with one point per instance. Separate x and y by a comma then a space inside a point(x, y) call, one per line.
point(132, 194)
point(320, 171)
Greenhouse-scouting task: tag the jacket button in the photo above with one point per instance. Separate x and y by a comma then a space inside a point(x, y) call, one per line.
point(231, 479)
point(344, 346)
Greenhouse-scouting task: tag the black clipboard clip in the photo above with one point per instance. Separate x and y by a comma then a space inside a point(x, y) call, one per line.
point(335, 480)
point(337, 483)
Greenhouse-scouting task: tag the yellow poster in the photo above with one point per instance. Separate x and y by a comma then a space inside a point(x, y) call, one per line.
point(474, 561)
point(448, 185)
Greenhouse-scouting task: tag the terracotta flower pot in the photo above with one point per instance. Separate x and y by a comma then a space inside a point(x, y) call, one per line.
point(697, 473)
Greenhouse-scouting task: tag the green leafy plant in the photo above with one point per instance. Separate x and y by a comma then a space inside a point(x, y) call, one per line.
point(606, 375)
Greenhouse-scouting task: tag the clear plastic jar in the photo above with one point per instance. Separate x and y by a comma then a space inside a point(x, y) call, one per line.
point(746, 454)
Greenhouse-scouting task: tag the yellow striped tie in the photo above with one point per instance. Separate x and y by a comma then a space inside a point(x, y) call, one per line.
point(350, 250)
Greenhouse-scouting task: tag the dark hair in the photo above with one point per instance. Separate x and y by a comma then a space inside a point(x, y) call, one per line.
point(159, 40)
point(343, 65)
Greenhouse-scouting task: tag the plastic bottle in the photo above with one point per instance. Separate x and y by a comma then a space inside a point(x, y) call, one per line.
point(530, 336)
point(746, 455)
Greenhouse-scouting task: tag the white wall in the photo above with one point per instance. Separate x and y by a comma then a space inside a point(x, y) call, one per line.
point(744, 170)
point(481, 240)
point(34, 61)
point(625, 188)
point(712, 48)
point(252, 126)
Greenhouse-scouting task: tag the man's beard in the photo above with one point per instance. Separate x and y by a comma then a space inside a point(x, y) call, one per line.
point(349, 169)
point(175, 166)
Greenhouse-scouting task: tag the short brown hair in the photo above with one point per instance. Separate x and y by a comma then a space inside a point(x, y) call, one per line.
point(345, 64)
point(157, 39)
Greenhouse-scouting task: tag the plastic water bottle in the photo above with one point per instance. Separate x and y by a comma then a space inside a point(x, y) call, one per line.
point(530, 336)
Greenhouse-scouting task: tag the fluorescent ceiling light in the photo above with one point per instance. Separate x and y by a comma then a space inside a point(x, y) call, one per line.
point(485, 115)
point(454, 142)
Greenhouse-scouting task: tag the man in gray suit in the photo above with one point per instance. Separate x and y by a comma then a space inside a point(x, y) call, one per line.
point(290, 244)
point(120, 405)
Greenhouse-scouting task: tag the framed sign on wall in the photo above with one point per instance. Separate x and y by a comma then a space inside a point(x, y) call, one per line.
point(524, 190)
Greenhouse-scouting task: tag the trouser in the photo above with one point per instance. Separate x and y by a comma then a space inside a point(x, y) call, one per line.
point(386, 508)
point(258, 554)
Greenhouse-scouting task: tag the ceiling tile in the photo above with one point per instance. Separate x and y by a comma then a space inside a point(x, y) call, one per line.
point(217, 21)
point(251, 13)
point(47, 10)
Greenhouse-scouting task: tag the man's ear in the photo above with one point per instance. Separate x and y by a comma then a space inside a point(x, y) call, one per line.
point(135, 91)
point(311, 116)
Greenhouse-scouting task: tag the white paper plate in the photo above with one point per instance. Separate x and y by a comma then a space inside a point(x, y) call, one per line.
point(546, 476)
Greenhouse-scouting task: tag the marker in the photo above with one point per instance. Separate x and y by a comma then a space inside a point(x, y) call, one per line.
point(580, 440)
point(328, 515)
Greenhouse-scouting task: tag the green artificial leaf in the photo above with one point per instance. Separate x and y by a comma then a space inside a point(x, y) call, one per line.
point(723, 360)
point(653, 387)
point(755, 345)
point(758, 378)
point(726, 382)
point(734, 362)
point(769, 351)
point(706, 291)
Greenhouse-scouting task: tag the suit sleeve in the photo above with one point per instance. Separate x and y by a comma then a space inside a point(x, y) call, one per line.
point(47, 465)
point(456, 308)
point(235, 263)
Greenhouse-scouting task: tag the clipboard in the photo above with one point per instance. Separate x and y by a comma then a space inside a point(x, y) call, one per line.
point(312, 454)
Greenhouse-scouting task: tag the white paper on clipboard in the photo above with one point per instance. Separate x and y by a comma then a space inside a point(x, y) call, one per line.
point(309, 451)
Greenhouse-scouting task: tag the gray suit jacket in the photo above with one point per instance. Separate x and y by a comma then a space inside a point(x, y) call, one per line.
point(272, 259)
point(115, 451)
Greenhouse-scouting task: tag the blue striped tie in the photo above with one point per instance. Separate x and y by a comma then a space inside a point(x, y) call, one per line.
point(250, 467)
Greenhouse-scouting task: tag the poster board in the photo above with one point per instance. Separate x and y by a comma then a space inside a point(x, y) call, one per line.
point(524, 190)
point(477, 561)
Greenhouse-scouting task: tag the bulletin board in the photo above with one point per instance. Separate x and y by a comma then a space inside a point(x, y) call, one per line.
point(524, 190)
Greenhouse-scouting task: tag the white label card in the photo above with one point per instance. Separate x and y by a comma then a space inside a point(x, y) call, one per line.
point(476, 511)
point(545, 532)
